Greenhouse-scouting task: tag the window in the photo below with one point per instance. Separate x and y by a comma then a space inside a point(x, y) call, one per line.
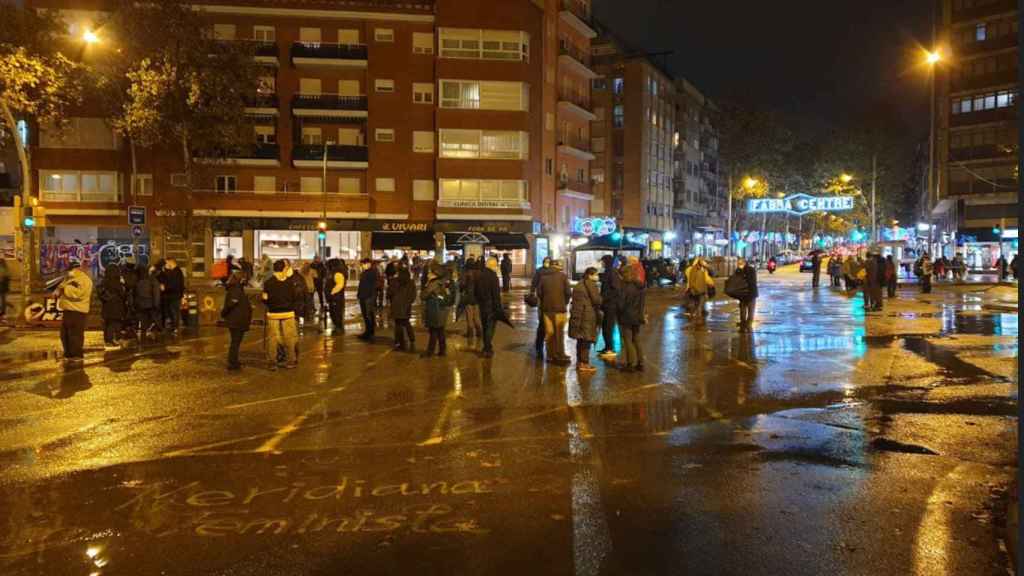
point(483, 190)
point(383, 34)
point(422, 42)
point(226, 184)
point(264, 33)
point(581, 176)
point(423, 190)
point(384, 135)
point(266, 85)
point(385, 185)
point(618, 116)
point(224, 31)
point(265, 184)
point(422, 93)
point(311, 185)
point(597, 145)
point(309, 35)
point(348, 36)
point(617, 85)
point(384, 85)
point(143, 184)
point(312, 136)
point(508, 45)
point(599, 84)
point(549, 166)
point(309, 86)
point(266, 134)
point(349, 88)
point(82, 133)
point(487, 144)
point(423, 142)
point(980, 32)
point(350, 137)
point(349, 186)
point(473, 95)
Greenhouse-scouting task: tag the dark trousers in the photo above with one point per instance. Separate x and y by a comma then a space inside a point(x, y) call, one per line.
point(309, 309)
point(172, 312)
point(111, 330)
point(337, 309)
point(403, 330)
point(236, 343)
point(488, 322)
point(815, 279)
point(891, 287)
point(437, 338)
point(506, 282)
point(72, 334)
point(611, 320)
point(538, 343)
point(149, 319)
point(747, 308)
point(583, 351)
point(368, 308)
point(926, 284)
point(319, 288)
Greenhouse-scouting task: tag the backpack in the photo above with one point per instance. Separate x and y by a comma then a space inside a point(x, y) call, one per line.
point(736, 286)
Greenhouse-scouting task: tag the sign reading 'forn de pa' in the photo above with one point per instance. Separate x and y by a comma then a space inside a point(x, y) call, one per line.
point(800, 204)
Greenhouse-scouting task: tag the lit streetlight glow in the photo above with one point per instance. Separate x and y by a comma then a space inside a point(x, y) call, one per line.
point(90, 37)
point(932, 58)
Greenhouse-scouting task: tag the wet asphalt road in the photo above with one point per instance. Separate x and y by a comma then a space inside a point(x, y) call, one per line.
point(827, 442)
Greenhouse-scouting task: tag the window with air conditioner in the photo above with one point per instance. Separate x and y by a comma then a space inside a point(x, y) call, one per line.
point(265, 184)
point(422, 93)
point(225, 184)
point(384, 134)
point(422, 43)
point(423, 142)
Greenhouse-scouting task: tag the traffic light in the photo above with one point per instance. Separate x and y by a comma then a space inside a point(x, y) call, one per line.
point(28, 217)
point(997, 231)
point(322, 234)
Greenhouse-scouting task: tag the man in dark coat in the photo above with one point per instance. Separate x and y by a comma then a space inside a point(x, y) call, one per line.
point(173, 281)
point(554, 293)
point(748, 305)
point(318, 282)
point(611, 297)
point(815, 270)
point(237, 315)
point(112, 297)
point(875, 272)
point(367, 296)
point(488, 299)
point(401, 295)
point(147, 303)
point(506, 273)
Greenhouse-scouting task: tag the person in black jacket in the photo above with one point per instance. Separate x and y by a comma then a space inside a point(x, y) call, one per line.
point(538, 343)
point(367, 295)
point(147, 303)
point(318, 282)
point(237, 315)
point(748, 305)
point(173, 281)
point(506, 273)
point(401, 295)
point(631, 317)
point(488, 300)
point(611, 298)
point(112, 296)
point(130, 275)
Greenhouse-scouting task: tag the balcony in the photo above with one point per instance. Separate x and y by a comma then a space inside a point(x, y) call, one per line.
point(575, 189)
point(576, 14)
point(576, 147)
point(1008, 114)
point(999, 78)
point(983, 152)
point(329, 105)
point(576, 60)
point(575, 104)
point(264, 51)
point(329, 55)
point(338, 156)
point(262, 104)
point(996, 7)
point(975, 187)
point(259, 154)
point(990, 45)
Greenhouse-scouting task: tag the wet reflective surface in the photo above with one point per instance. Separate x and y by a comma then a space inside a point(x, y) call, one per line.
point(828, 441)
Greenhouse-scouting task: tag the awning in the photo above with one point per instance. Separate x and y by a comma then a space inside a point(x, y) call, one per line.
point(607, 243)
point(402, 240)
point(497, 240)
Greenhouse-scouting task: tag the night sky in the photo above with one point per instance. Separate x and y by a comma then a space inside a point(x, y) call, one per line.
point(827, 60)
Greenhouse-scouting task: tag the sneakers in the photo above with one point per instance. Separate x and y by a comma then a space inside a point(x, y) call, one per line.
point(607, 354)
point(586, 368)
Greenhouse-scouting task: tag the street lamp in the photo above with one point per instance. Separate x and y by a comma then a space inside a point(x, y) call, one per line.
point(90, 37)
point(932, 58)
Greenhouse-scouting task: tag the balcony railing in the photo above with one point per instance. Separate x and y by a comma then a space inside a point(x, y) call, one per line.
point(999, 78)
point(335, 153)
point(328, 102)
point(570, 50)
point(261, 100)
point(574, 142)
point(578, 99)
point(262, 151)
point(984, 10)
point(328, 51)
point(984, 116)
point(984, 152)
point(992, 44)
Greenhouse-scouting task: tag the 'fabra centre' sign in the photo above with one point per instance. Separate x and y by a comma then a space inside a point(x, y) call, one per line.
point(800, 204)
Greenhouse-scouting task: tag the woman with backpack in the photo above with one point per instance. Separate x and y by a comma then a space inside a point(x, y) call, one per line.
point(237, 315)
point(584, 318)
point(112, 297)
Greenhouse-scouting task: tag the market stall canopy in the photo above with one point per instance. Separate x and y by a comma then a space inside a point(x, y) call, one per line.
point(609, 242)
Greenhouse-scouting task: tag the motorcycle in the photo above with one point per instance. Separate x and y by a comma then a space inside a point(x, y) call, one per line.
point(771, 266)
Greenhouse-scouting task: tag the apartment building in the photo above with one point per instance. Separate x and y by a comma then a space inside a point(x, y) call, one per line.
point(976, 192)
point(699, 195)
point(635, 105)
point(400, 124)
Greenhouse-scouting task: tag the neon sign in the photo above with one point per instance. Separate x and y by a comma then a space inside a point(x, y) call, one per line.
point(800, 204)
point(596, 226)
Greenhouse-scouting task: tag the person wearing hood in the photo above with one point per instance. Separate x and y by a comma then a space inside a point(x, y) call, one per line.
point(506, 273)
point(237, 315)
point(401, 295)
point(437, 298)
point(698, 284)
point(334, 287)
point(538, 342)
point(584, 318)
point(112, 299)
point(487, 296)
point(611, 296)
point(367, 295)
point(279, 297)
point(73, 297)
point(631, 317)
point(172, 281)
point(147, 302)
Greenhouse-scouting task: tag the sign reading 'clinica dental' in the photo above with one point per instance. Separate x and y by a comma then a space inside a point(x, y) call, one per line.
point(800, 204)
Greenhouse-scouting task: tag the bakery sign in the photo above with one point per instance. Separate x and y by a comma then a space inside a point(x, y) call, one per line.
point(800, 204)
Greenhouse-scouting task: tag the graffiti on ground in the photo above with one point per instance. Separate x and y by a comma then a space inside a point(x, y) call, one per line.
point(94, 256)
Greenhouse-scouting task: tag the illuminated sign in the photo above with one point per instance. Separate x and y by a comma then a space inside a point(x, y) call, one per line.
point(800, 204)
point(596, 226)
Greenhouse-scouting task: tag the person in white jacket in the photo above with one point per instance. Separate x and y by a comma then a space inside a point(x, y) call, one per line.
point(73, 298)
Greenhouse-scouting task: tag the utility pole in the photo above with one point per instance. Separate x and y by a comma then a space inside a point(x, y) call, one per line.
point(874, 181)
point(729, 225)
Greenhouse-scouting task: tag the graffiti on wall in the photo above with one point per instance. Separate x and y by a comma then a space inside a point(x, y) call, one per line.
point(94, 256)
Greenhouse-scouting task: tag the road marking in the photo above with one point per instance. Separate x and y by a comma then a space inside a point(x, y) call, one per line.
point(282, 398)
point(285, 431)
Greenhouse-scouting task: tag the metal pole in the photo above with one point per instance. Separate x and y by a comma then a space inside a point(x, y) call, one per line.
point(931, 142)
point(874, 216)
point(729, 227)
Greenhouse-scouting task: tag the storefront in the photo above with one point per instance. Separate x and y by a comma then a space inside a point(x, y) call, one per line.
point(981, 247)
point(473, 238)
point(590, 253)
